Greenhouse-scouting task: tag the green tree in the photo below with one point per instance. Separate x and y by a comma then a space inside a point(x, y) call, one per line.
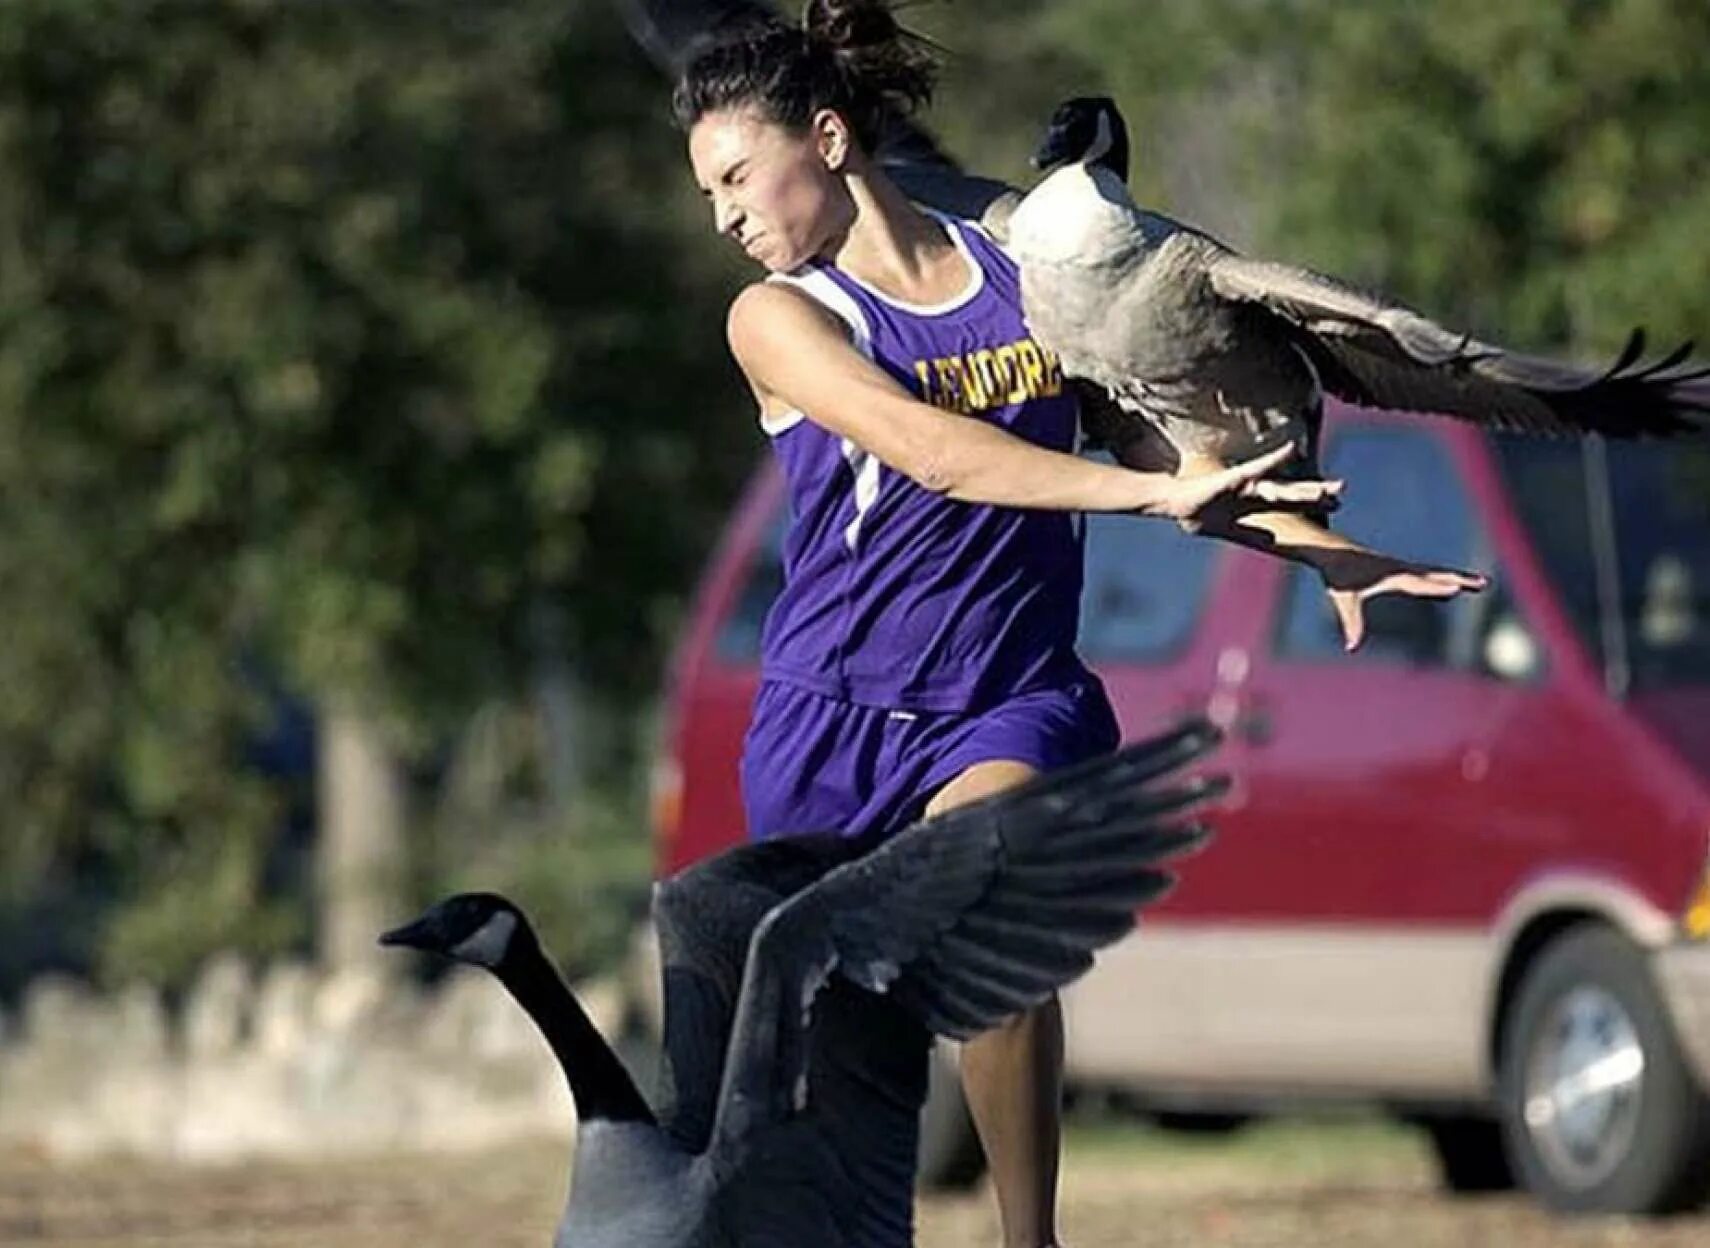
point(354, 341)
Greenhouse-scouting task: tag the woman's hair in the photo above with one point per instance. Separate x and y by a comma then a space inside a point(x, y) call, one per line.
point(850, 56)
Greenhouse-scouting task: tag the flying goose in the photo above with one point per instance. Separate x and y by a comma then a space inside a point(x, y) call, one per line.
point(1221, 353)
point(1211, 356)
point(803, 978)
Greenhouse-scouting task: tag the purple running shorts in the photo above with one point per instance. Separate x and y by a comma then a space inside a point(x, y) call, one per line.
point(812, 763)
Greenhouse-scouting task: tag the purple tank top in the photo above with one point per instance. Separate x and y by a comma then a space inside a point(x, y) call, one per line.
point(893, 595)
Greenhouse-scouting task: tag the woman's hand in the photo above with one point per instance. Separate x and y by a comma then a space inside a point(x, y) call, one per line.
point(1193, 499)
point(1351, 577)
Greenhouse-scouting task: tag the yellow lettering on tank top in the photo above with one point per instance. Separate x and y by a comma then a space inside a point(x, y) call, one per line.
point(1053, 371)
point(950, 396)
point(984, 393)
point(1032, 367)
point(926, 393)
point(1009, 372)
point(991, 377)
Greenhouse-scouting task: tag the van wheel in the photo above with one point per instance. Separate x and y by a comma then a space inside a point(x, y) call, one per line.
point(1600, 1111)
point(950, 1156)
point(1471, 1156)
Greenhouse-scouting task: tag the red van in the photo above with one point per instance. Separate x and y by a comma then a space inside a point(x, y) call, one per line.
point(1462, 872)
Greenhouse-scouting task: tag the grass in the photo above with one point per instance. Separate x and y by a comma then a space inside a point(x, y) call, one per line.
point(1304, 1147)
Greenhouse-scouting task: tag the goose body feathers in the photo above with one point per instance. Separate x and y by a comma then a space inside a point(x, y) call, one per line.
point(1221, 353)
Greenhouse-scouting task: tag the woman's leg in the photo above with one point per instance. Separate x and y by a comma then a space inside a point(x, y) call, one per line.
point(1013, 1075)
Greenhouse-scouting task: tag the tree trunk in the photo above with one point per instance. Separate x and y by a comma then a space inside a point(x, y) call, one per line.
point(359, 857)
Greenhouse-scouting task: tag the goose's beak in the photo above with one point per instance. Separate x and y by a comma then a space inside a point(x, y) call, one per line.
point(1054, 151)
point(420, 934)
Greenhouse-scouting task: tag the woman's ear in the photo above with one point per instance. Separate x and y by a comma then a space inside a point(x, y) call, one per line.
point(831, 138)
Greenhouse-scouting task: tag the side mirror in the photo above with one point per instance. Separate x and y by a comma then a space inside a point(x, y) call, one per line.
point(1510, 651)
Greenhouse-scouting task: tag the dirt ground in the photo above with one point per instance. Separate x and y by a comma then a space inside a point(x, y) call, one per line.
point(1352, 1184)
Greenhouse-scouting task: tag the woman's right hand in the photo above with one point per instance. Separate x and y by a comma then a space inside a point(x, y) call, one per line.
point(1189, 498)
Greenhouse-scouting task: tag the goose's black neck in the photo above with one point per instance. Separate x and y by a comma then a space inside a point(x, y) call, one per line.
point(599, 1084)
point(1116, 159)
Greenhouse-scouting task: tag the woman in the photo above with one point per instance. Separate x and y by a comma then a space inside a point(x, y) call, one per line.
point(921, 654)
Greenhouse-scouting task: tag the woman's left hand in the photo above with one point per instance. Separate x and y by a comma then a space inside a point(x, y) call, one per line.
point(1352, 577)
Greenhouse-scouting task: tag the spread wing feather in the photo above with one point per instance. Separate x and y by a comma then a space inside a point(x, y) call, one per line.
point(1378, 353)
point(966, 919)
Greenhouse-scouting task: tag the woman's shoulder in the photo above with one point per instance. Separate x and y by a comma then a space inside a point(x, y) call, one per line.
point(770, 309)
point(779, 300)
point(775, 297)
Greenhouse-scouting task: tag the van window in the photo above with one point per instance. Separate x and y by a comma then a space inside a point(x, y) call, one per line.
point(1405, 498)
point(738, 641)
point(1546, 481)
point(1623, 532)
point(1145, 586)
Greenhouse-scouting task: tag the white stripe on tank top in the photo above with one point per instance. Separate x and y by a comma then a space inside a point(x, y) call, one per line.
point(832, 297)
point(865, 467)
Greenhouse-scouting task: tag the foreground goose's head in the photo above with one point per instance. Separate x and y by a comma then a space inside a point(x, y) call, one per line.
point(486, 930)
point(476, 928)
point(1087, 130)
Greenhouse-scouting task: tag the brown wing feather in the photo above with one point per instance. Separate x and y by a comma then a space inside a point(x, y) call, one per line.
point(1378, 353)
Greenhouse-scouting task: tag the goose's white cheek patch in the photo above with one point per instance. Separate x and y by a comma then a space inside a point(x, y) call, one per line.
point(487, 946)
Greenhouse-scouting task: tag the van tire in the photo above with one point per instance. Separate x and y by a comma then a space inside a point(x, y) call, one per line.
point(1471, 1154)
point(1590, 997)
point(950, 1156)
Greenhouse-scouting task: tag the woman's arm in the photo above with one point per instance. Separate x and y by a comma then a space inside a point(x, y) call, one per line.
point(1352, 573)
point(796, 355)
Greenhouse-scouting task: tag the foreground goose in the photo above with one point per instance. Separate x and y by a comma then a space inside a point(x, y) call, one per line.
point(803, 979)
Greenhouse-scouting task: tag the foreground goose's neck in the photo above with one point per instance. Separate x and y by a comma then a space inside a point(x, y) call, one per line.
point(1115, 161)
point(1078, 216)
point(600, 1085)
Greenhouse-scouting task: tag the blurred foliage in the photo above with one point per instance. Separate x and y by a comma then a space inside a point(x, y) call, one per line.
point(582, 875)
point(581, 868)
point(350, 339)
point(1002, 77)
point(373, 351)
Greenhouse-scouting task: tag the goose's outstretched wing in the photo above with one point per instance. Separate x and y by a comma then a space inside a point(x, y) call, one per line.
point(669, 30)
point(940, 184)
point(1374, 352)
point(966, 919)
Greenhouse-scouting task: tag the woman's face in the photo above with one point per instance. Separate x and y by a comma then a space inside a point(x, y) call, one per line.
point(778, 195)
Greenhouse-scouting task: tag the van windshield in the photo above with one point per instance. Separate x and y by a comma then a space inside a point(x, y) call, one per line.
point(1623, 529)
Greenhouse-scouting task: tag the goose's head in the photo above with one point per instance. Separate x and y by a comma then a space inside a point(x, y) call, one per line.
point(476, 928)
point(1087, 130)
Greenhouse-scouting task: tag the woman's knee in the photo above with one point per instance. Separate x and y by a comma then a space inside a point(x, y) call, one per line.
point(983, 779)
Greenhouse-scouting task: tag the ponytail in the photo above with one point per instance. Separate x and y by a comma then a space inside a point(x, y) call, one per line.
point(851, 56)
